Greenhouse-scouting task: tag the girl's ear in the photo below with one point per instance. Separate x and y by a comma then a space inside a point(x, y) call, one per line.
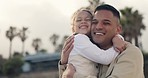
point(72, 29)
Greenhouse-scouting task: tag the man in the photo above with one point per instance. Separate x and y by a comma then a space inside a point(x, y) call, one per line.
point(105, 25)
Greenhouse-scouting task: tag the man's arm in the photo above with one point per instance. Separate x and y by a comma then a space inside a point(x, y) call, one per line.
point(62, 68)
point(63, 73)
point(69, 72)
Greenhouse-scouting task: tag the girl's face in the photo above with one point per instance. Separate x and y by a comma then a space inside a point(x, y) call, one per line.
point(82, 22)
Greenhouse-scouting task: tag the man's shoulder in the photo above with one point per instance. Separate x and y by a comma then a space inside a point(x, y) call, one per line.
point(132, 50)
point(132, 47)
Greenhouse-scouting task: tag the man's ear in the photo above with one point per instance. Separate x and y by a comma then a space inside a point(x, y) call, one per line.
point(119, 29)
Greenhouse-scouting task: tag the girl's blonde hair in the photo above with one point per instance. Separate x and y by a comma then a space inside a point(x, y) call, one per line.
point(75, 15)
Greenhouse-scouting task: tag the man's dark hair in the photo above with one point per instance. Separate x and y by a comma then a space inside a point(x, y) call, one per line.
point(110, 8)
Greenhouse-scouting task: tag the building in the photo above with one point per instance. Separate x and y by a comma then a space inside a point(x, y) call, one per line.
point(41, 62)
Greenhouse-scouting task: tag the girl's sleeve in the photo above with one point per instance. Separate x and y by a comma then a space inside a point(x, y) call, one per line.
point(87, 49)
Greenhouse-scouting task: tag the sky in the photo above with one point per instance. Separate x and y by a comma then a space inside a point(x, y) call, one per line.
point(46, 17)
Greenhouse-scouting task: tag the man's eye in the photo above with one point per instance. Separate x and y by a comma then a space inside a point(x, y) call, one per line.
point(106, 23)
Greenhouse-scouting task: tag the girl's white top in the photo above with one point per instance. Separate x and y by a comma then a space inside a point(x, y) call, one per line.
point(84, 47)
point(85, 55)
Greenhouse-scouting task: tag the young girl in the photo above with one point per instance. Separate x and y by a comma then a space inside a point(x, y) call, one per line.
point(85, 55)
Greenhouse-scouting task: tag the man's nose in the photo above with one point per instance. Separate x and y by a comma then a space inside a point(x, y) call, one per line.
point(99, 26)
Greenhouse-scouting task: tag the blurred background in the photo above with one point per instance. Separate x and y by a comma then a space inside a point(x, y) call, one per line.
point(32, 33)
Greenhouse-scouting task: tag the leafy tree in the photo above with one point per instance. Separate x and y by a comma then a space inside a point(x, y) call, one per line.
point(36, 44)
point(12, 67)
point(17, 54)
point(10, 34)
point(2, 61)
point(22, 35)
point(132, 25)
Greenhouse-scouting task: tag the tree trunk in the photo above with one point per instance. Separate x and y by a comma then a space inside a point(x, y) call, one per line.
point(10, 49)
point(136, 41)
point(23, 47)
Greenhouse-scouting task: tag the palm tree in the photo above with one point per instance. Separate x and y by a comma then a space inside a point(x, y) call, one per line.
point(132, 25)
point(36, 44)
point(60, 46)
point(138, 26)
point(23, 37)
point(126, 23)
point(54, 39)
point(93, 4)
point(10, 34)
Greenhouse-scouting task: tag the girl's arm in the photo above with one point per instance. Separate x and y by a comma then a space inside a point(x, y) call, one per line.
point(119, 43)
point(87, 49)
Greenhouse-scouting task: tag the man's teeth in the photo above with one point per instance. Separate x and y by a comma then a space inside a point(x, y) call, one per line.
point(99, 33)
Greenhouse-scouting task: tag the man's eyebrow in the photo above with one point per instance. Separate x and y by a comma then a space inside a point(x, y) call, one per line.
point(106, 20)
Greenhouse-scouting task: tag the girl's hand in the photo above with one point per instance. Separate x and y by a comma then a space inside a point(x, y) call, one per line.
point(68, 46)
point(119, 43)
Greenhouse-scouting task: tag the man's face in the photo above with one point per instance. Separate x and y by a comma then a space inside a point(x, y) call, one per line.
point(104, 27)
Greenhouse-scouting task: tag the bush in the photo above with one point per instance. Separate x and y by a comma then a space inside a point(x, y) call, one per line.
point(12, 67)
